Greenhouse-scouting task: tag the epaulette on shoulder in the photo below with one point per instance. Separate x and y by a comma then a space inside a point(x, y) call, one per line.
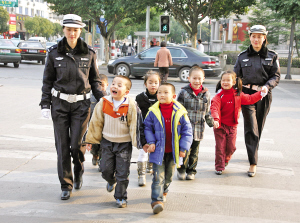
point(52, 48)
point(91, 48)
point(242, 52)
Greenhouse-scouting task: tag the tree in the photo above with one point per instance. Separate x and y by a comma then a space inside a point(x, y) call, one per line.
point(57, 29)
point(39, 26)
point(4, 18)
point(290, 11)
point(190, 12)
point(107, 14)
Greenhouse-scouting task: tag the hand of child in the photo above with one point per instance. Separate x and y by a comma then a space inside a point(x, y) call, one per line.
point(151, 148)
point(145, 148)
point(181, 154)
point(264, 91)
point(88, 147)
point(216, 124)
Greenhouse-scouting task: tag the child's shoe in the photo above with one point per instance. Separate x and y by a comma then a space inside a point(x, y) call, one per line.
point(110, 188)
point(157, 207)
point(164, 197)
point(219, 172)
point(180, 176)
point(122, 203)
point(190, 176)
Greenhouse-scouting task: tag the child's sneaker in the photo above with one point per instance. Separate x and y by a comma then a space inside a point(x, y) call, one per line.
point(164, 197)
point(219, 172)
point(110, 188)
point(180, 176)
point(190, 176)
point(157, 207)
point(122, 203)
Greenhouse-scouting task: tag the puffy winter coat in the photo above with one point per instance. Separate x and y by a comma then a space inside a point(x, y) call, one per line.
point(182, 135)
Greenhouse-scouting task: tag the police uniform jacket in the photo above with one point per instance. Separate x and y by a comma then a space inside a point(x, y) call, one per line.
point(258, 68)
point(70, 71)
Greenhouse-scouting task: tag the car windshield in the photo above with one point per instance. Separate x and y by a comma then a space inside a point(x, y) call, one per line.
point(6, 43)
point(198, 52)
point(31, 45)
point(150, 53)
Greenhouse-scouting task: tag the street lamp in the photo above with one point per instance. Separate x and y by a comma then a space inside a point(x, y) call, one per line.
point(237, 33)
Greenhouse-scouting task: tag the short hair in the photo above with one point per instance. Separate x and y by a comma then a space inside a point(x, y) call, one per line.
point(163, 44)
point(103, 78)
point(199, 40)
point(196, 68)
point(128, 83)
point(151, 42)
point(150, 73)
point(170, 85)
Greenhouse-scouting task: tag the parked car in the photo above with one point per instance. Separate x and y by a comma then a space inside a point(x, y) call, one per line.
point(9, 53)
point(33, 50)
point(49, 44)
point(183, 59)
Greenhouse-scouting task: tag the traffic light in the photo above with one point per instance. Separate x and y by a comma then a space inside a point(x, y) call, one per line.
point(88, 26)
point(164, 24)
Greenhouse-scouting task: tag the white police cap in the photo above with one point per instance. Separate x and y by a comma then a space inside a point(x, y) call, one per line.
point(258, 29)
point(72, 20)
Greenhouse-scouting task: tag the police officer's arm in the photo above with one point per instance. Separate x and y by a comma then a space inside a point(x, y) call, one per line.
point(94, 78)
point(48, 79)
point(237, 68)
point(274, 74)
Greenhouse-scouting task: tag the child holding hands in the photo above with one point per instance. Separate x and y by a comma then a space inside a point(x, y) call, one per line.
point(169, 134)
point(225, 109)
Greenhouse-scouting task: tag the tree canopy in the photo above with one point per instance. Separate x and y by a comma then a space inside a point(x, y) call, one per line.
point(39, 26)
point(4, 18)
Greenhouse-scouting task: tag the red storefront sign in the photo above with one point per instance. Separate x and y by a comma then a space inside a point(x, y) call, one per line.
point(12, 24)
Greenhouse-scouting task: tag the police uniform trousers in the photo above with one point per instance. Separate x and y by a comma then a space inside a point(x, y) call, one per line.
point(70, 122)
point(254, 120)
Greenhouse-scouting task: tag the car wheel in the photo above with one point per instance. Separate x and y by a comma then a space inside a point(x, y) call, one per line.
point(5, 64)
point(43, 61)
point(122, 69)
point(184, 73)
point(17, 64)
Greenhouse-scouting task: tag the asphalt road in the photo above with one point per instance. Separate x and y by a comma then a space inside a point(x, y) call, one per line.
point(30, 189)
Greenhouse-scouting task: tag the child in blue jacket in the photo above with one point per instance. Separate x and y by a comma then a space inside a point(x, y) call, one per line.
point(168, 132)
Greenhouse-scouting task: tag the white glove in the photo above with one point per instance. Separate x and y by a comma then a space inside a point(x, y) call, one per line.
point(262, 93)
point(46, 113)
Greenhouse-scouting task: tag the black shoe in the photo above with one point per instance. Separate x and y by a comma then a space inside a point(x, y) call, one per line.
point(65, 195)
point(78, 182)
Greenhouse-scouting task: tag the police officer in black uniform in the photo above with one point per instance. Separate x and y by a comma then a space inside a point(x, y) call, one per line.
point(259, 68)
point(70, 73)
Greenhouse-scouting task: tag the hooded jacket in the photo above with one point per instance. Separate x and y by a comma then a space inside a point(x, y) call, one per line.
point(69, 73)
point(182, 136)
point(242, 99)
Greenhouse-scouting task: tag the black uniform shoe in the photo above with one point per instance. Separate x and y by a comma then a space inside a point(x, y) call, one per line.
point(78, 182)
point(65, 195)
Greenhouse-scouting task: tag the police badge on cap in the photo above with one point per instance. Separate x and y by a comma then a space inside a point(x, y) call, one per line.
point(72, 20)
point(258, 29)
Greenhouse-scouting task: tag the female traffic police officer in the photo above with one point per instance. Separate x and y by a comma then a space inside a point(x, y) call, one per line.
point(259, 68)
point(70, 73)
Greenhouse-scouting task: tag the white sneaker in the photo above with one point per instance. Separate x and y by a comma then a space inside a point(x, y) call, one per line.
point(180, 176)
point(190, 176)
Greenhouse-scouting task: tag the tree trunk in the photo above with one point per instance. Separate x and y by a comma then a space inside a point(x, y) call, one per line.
point(297, 47)
point(194, 39)
point(107, 53)
point(288, 75)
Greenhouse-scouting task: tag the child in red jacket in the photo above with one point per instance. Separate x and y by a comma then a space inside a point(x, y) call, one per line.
point(225, 109)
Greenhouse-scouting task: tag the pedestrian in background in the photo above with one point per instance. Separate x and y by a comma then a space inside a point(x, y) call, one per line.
point(151, 44)
point(258, 67)
point(168, 132)
point(200, 46)
point(114, 125)
point(196, 100)
point(163, 60)
point(96, 151)
point(124, 49)
point(157, 43)
point(225, 109)
point(130, 50)
point(145, 100)
point(70, 73)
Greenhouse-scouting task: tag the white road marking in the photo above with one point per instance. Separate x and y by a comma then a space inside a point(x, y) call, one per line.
point(23, 138)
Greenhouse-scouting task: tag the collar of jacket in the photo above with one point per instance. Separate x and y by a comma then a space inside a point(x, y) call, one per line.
point(190, 90)
point(82, 47)
point(177, 109)
point(263, 51)
point(109, 99)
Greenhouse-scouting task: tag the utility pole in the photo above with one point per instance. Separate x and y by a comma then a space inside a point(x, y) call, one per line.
point(288, 75)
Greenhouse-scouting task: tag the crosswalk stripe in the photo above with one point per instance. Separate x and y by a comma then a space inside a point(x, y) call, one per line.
point(26, 138)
